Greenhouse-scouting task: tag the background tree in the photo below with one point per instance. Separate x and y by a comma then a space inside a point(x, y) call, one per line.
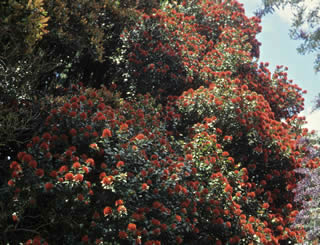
point(305, 25)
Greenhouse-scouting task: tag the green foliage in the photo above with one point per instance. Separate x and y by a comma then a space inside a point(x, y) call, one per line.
point(23, 23)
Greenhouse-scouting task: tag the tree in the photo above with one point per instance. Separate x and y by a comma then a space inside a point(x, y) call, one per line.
point(209, 160)
point(305, 25)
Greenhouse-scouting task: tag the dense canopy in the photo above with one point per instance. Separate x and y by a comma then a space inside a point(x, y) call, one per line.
point(157, 125)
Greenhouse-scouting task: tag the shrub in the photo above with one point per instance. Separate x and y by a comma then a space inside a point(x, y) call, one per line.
point(307, 190)
point(107, 169)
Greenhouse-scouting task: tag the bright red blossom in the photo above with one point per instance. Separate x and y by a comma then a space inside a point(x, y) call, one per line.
point(106, 133)
point(48, 186)
point(68, 176)
point(140, 137)
point(132, 227)
point(107, 211)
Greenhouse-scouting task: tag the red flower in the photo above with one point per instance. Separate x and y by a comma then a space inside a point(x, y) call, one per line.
point(156, 222)
point(123, 235)
point(76, 165)
point(225, 153)
point(106, 133)
point(244, 87)
point(179, 240)
point(231, 160)
point(48, 155)
point(122, 209)
point(279, 228)
point(78, 177)
point(189, 157)
point(82, 98)
point(132, 227)
point(48, 186)
point(119, 202)
point(140, 137)
point(36, 140)
point(39, 172)
point(80, 197)
point(263, 182)
point(10, 182)
point(265, 205)
point(63, 169)
point(144, 186)
point(164, 227)
point(120, 164)
point(33, 164)
point(219, 131)
point(20, 155)
point(85, 169)
point(124, 127)
point(53, 174)
point(219, 221)
point(102, 175)
point(14, 217)
point(107, 180)
point(68, 176)
point(85, 239)
point(251, 219)
point(156, 232)
point(46, 136)
point(14, 165)
point(151, 66)
point(178, 218)
point(90, 161)
point(107, 211)
point(156, 204)
point(228, 188)
point(101, 106)
point(83, 116)
point(27, 158)
point(73, 132)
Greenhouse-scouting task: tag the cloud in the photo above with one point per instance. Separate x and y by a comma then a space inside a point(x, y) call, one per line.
point(250, 3)
point(313, 120)
point(287, 13)
point(250, 6)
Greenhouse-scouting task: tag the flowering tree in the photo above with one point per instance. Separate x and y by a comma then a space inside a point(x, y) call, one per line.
point(202, 149)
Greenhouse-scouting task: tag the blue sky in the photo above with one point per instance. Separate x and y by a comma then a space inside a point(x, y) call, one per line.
point(278, 49)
